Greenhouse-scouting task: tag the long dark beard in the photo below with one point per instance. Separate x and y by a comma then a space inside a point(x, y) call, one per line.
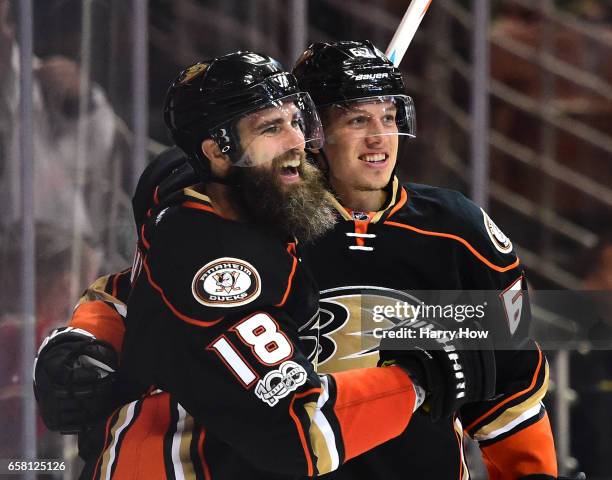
point(301, 209)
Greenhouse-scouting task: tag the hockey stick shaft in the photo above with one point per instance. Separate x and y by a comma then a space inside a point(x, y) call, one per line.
point(406, 30)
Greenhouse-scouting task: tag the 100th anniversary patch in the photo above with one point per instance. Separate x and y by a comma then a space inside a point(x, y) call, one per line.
point(226, 282)
point(279, 383)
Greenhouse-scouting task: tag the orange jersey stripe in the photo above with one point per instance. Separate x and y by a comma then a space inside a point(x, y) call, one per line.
point(142, 449)
point(373, 405)
point(528, 451)
point(289, 282)
point(101, 320)
point(199, 206)
point(185, 318)
point(205, 468)
point(517, 394)
point(142, 235)
point(400, 203)
point(116, 280)
point(459, 239)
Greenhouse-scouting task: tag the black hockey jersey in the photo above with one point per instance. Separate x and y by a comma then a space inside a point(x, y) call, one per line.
point(216, 365)
point(432, 239)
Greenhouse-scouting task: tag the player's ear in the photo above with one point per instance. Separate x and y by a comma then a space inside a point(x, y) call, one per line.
point(220, 163)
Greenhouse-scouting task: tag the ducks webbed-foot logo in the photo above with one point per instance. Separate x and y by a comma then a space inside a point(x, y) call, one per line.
point(347, 321)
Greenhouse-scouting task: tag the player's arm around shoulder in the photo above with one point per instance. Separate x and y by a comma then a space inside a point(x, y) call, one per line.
point(102, 308)
point(75, 367)
point(233, 301)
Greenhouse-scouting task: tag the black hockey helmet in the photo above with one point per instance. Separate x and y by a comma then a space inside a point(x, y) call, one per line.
point(345, 71)
point(167, 173)
point(206, 99)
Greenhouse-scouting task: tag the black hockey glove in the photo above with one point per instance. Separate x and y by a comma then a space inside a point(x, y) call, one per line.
point(452, 371)
point(73, 379)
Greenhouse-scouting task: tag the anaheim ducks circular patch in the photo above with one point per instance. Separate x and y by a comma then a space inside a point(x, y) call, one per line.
point(226, 282)
point(500, 241)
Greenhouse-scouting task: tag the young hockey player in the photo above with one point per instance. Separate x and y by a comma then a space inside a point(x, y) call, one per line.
point(395, 238)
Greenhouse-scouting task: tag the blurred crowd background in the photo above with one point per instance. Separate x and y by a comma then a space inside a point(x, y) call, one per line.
point(83, 115)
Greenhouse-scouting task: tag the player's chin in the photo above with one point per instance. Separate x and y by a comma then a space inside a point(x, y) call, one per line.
point(378, 181)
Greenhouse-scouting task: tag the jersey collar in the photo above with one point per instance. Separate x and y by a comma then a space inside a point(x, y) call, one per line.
point(397, 198)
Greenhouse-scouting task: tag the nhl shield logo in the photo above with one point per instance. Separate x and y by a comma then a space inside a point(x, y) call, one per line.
point(360, 216)
point(226, 282)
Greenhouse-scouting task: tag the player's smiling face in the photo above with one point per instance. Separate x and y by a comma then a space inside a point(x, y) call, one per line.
point(272, 139)
point(278, 190)
point(361, 144)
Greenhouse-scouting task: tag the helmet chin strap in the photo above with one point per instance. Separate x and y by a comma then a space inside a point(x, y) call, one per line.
point(229, 180)
point(202, 168)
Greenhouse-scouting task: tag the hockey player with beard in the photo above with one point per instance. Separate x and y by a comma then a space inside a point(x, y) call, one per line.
point(425, 449)
point(215, 380)
point(404, 237)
